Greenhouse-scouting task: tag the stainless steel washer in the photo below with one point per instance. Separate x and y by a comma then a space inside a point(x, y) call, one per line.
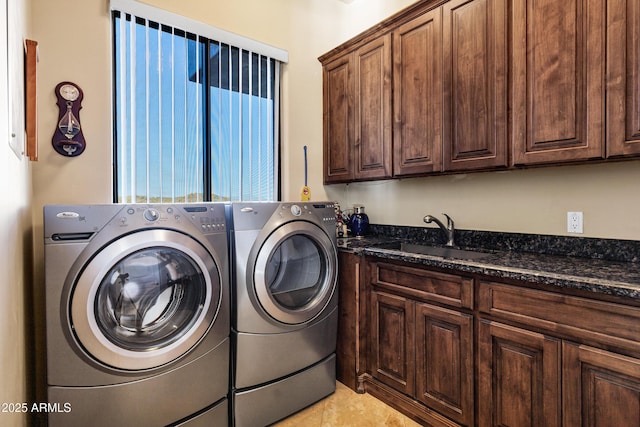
point(285, 308)
point(137, 314)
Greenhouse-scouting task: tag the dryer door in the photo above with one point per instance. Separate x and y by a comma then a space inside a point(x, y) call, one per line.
point(295, 272)
point(145, 300)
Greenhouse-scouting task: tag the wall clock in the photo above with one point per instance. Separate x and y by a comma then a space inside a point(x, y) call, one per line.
point(68, 139)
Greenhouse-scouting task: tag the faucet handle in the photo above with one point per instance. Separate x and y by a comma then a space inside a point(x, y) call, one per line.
point(450, 223)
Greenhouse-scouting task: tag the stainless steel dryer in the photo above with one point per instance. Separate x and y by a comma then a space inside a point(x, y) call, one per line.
point(285, 300)
point(137, 314)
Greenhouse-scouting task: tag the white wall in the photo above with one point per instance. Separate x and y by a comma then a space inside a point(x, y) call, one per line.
point(15, 229)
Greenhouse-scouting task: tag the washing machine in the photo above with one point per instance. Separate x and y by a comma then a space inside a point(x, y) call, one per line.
point(137, 315)
point(285, 316)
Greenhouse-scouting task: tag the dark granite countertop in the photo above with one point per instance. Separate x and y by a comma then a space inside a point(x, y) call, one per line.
point(593, 274)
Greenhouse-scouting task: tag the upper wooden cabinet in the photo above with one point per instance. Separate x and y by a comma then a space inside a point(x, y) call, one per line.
point(337, 79)
point(417, 90)
point(484, 85)
point(623, 74)
point(475, 84)
point(557, 80)
point(357, 114)
point(373, 109)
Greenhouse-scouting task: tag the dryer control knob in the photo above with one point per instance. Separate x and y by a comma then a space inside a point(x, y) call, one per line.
point(151, 215)
point(295, 210)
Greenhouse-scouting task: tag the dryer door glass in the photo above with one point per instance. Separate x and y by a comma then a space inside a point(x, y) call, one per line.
point(295, 272)
point(150, 298)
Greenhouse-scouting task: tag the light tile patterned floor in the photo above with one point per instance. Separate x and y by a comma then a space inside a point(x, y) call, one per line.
point(346, 408)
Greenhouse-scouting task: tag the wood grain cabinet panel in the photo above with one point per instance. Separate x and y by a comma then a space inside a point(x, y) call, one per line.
point(557, 75)
point(421, 343)
point(444, 361)
point(600, 388)
point(393, 341)
point(417, 92)
point(338, 120)
point(463, 85)
point(350, 348)
point(623, 78)
point(421, 284)
point(373, 109)
point(518, 377)
point(475, 84)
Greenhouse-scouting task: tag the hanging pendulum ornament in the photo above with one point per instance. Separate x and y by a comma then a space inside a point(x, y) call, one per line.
point(67, 138)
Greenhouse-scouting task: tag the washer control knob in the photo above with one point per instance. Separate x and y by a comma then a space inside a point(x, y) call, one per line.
point(295, 210)
point(151, 215)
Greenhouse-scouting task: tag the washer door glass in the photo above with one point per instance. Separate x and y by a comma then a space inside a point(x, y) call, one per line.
point(295, 272)
point(145, 300)
point(150, 298)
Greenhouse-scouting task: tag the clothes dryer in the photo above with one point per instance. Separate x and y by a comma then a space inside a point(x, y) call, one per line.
point(285, 308)
point(137, 314)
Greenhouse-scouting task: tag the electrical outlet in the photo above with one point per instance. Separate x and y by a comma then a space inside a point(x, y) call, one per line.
point(574, 222)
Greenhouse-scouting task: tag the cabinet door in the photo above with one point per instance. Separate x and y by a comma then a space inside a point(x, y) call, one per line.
point(444, 361)
point(373, 109)
point(417, 92)
point(392, 341)
point(518, 377)
point(623, 77)
point(475, 84)
point(599, 388)
point(350, 346)
point(338, 132)
point(557, 80)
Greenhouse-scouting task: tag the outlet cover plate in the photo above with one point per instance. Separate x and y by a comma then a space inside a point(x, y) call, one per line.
point(575, 222)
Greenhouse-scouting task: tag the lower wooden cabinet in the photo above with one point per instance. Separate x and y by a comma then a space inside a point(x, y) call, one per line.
point(444, 361)
point(392, 341)
point(350, 347)
point(530, 379)
point(420, 349)
point(451, 349)
point(518, 377)
point(425, 352)
point(600, 388)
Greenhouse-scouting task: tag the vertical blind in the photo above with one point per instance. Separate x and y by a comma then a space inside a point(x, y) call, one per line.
point(196, 119)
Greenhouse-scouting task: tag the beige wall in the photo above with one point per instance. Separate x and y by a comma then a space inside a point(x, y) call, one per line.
point(525, 201)
point(16, 248)
point(81, 53)
point(74, 39)
point(528, 201)
point(533, 201)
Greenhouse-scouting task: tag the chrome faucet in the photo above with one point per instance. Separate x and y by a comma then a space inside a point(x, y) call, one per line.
point(448, 230)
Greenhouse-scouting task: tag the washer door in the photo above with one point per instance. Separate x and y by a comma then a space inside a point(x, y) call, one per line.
point(295, 272)
point(145, 299)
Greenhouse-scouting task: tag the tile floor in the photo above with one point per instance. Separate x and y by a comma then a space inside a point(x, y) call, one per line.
point(346, 408)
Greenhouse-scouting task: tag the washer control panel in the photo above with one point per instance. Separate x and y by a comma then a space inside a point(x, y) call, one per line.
point(209, 218)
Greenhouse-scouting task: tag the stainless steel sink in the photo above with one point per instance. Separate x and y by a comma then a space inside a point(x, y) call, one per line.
point(444, 252)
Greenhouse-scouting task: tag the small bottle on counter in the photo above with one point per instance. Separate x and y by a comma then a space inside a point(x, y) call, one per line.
point(359, 221)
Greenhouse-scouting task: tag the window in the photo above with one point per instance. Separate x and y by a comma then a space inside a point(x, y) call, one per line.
point(195, 108)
